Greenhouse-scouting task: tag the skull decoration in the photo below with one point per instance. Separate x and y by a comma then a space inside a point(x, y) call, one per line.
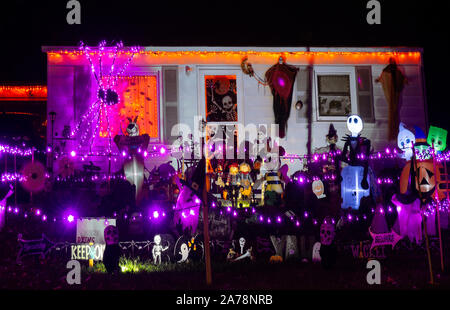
point(354, 124)
point(227, 103)
point(327, 232)
point(133, 128)
point(241, 245)
point(111, 235)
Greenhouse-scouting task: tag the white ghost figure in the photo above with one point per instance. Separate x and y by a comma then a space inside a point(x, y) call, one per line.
point(405, 140)
point(354, 124)
point(184, 252)
point(316, 253)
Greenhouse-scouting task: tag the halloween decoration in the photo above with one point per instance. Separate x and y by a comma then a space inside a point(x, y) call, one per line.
point(245, 180)
point(243, 251)
point(437, 137)
point(112, 249)
point(409, 220)
point(351, 190)
point(187, 208)
point(34, 175)
point(421, 147)
point(379, 224)
point(276, 259)
point(280, 78)
point(390, 238)
point(291, 247)
point(221, 98)
point(405, 141)
point(39, 247)
point(318, 189)
point(357, 145)
point(272, 189)
point(233, 182)
point(188, 249)
point(316, 253)
point(133, 128)
point(158, 249)
point(393, 82)
point(328, 249)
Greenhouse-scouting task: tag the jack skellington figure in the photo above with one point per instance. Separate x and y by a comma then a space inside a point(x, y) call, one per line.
point(358, 146)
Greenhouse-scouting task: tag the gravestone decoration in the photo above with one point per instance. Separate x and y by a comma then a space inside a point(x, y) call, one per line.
point(291, 247)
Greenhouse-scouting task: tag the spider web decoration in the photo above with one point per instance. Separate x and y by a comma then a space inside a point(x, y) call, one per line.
point(88, 128)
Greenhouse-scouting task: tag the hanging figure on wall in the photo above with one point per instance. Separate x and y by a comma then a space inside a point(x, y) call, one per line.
point(281, 78)
point(393, 82)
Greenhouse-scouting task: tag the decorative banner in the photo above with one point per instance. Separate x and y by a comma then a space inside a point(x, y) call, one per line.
point(384, 239)
point(364, 250)
point(92, 230)
point(351, 190)
point(86, 251)
point(33, 247)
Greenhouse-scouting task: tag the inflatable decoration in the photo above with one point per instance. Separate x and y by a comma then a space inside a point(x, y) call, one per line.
point(351, 190)
point(405, 141)
point(437, 137)
point(421, 147)
point(318, 189)
point(409, 220)
point(359, 148)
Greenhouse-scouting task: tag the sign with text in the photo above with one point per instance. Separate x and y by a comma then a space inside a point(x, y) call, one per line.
point(390, 238)
point(91, 229)
point(83, 251)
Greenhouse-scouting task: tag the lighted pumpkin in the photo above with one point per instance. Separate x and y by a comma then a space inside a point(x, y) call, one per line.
point(276, 259)
point(318, 189)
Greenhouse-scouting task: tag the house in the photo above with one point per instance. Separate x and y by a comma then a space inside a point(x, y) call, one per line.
point(165, 86)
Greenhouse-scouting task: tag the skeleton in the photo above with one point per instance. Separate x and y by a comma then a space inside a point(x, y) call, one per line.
point(157, 250)
point(228, 107)
point(111, 235)
point(242, 244)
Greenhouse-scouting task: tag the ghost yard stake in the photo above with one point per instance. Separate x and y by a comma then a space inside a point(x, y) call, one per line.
point(427, 242)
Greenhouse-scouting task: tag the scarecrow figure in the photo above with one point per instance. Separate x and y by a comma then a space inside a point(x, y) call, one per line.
point(246, 180)
point(280, 78)
point(233, 182)
point(358, 146)
point(393, 82)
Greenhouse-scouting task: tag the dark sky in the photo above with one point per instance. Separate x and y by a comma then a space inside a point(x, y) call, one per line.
point(25, 26)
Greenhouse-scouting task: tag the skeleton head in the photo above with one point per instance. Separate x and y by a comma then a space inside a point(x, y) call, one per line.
point(241, 242)
point(157, 239)
point(133, 128)
point(227, 103)
point(327, 232)
point(354, 124)
point(111, 235)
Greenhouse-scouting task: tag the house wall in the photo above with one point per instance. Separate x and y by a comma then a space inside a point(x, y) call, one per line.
point(69, 80)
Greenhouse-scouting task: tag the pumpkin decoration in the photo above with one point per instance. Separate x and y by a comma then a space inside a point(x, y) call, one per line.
point(318, 189)
point(276, 259)
point(427, 180)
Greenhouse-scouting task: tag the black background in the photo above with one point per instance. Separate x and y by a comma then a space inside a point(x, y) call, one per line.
point(25, 26)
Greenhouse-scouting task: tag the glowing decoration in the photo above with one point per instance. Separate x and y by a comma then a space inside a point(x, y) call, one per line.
point(134, 173)
point(437, 137)
point(409, 219)
point(34, 174)
point(390, 238)
point(188, 249)
point(405, 141)
point(351, 190)
point(318, 189)
point(106, 95)
point(23, 93)
point(276, 259)
point(39, 247)
point(421, 147)
point(158, 249)
point(327, 232)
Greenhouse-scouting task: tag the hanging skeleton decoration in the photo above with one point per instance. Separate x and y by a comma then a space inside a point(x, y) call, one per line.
point(280, 78)
point(359, 147)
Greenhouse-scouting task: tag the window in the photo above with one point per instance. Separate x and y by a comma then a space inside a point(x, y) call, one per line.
point(334, 93)
point(365, 93)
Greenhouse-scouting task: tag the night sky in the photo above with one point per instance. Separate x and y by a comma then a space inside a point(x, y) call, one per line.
point(25, 26)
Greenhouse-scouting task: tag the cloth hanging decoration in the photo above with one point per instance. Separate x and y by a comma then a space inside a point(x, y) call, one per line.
point(393, 82)
point(280, 78)
point(409, 220)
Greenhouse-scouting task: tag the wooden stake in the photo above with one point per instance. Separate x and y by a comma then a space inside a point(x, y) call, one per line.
point(427, 242)
point(436, 195)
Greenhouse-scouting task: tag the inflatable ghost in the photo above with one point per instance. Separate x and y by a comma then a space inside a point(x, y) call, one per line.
point(405, 141)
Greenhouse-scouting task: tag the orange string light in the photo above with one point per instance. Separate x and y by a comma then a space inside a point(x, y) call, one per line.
point(15, 93)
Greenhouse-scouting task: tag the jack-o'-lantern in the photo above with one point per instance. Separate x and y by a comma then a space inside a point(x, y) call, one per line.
point(427, 181)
